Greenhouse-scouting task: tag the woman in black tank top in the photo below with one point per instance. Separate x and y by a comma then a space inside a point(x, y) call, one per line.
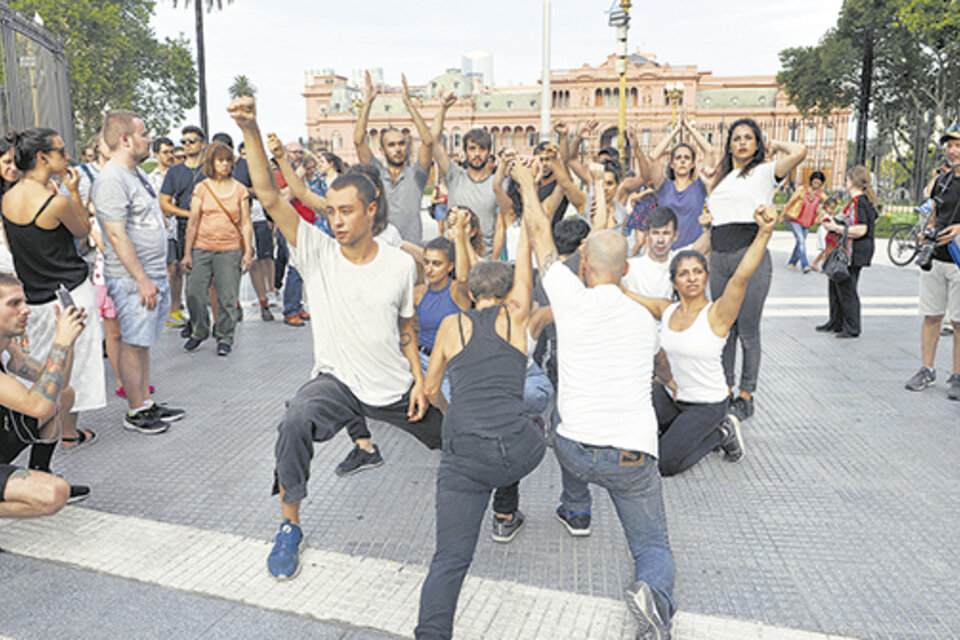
point(488, 442)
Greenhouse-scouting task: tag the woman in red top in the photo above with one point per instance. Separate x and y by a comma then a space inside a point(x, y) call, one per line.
point(803, 205)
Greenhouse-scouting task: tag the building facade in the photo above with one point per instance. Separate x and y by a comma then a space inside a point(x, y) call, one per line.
point(657, 94)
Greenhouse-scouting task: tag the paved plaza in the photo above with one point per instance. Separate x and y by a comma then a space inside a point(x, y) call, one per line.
point(841, 521)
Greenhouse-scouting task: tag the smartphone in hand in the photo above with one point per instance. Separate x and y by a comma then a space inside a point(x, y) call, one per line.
point(63, 295)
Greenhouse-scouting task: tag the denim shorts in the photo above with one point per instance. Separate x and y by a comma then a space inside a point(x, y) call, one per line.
point(139, 326)
point(263, 239)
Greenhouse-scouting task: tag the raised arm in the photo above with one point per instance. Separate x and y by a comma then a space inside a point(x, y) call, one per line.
point(600, 217)
point(573, 159)
point(425, 153)
point(563, 148)
point(504, 203)
point(518, 300)
point(724, 312)
point(70, 211)
point(535, 219)
point(244, 112)
point(793, 155)
point(360, 132)
point(565, 185)
point(298, 189)
point(708, 152)
point(436, 132)
point(460, 229)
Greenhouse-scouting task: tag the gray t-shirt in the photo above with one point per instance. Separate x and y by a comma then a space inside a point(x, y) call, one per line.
point(119, 195)
point(463, 191)
point(403, 198)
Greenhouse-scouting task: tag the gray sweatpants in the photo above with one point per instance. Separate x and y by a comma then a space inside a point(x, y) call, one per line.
point(223, 269)
point(723, 264)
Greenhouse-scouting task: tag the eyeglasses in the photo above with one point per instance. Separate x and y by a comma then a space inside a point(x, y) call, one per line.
point(189, 140)
point(59, 150)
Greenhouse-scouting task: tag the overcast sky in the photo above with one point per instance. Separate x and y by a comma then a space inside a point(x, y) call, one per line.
point(274, 42)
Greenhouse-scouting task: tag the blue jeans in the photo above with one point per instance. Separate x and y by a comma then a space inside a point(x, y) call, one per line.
point(536, 391)
point(292, 293)
point(634, 487)
point(800, 248)
point(470, 468)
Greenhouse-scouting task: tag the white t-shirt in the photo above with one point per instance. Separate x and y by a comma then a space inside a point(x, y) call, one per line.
point(355, 310)
point(390, 236)
point(605, 348)
point(735, 198)
point(650, 278)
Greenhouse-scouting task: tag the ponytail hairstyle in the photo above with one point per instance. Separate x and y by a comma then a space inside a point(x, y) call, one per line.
point(365, 178)
point(860, 177)
point(28, 143)
point(726, 165)
point(671, 175)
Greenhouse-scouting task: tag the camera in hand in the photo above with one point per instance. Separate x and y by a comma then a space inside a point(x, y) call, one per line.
point(925, 255)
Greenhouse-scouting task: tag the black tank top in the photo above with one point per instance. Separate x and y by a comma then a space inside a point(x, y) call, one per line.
point(44, 258)
point(486, 381)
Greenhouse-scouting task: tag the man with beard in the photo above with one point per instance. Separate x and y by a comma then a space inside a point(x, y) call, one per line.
point(473, 187)
point(404, 183)
point(135, 263)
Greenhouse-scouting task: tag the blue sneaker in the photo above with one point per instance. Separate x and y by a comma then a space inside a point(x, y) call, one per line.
point(283, 563)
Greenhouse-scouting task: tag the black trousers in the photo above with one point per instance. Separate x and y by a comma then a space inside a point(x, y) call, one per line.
point(688, 431)
point(845, 303)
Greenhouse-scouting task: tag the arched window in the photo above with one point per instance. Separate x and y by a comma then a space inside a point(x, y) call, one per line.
point(598, 99)
point(531, 137)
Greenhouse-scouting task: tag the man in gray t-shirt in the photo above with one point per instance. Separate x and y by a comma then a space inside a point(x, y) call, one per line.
point(403, 183)
point(474, 186)
point(135, 264)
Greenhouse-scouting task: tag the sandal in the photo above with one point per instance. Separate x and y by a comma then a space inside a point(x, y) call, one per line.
point(81, 440)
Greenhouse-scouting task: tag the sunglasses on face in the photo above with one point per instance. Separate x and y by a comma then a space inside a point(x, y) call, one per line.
point(189, 140)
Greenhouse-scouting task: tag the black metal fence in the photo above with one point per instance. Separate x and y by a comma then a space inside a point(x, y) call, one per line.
point(35, 84)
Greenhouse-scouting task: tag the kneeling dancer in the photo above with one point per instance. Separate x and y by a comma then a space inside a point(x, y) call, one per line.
point(366, 363)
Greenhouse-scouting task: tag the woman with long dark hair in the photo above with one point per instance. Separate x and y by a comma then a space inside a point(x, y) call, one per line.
point(801, 214)
point(9, 176)
point(41, 227)
point(745, 179)
point(859, 217)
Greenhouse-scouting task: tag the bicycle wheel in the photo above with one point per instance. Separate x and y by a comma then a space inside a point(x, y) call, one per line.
point(903, 245)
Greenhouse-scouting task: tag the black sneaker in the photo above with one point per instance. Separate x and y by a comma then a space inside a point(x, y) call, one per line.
point(191, 345)
point(741, 408)
point(504, 529)
point(577, 524)
point(223, 349)
point(265, 314)
point(359, 460)
point(186, 331)
point(167, 413)
point(731, 438)
point(147, 421)
point(78, 493)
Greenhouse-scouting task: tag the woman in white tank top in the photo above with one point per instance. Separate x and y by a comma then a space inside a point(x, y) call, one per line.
point(692, 398)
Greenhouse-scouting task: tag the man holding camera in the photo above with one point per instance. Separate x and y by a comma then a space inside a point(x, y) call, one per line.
point(940, 276)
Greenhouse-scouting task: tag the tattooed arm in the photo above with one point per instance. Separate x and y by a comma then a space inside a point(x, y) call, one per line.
point(408, 345)
point(535, 218)
point(40, 401)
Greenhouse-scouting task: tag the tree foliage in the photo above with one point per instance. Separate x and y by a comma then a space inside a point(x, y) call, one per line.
point(914, 84)
point(116, 61)
point(242, 87)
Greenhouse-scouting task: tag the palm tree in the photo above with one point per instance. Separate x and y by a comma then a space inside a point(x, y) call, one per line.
point(242, 87)
point(201, 62)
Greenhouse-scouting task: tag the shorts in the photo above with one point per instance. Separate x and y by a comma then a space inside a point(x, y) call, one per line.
point(940, 290)
point(263, 239)
point(87, 375)
point(139, 326)
point(104, 302)
point(174, 251)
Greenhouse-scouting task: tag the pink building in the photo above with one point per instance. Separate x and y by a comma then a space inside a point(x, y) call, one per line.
point(656, 95)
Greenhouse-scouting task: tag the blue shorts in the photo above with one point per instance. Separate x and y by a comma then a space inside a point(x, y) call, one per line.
point(138, 326)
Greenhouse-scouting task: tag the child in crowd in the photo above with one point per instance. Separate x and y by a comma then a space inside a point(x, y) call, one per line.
point(827, 211)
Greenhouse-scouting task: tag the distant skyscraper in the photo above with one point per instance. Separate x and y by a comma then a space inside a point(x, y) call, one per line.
point(479, 63)
point(357, 79)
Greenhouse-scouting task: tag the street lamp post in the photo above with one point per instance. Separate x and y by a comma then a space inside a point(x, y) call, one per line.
point(545, 77)
point(620, 20)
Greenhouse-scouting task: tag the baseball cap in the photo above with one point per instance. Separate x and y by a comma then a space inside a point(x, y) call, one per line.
point(952, 133)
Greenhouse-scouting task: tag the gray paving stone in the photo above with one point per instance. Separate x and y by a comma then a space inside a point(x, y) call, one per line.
point(841, 518)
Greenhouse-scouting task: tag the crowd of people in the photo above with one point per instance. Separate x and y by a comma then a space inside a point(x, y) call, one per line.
point(569, 302)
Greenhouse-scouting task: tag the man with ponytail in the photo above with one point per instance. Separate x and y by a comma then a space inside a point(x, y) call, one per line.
point(366, 363)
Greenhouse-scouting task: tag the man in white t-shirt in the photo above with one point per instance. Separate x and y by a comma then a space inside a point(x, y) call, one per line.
point(649, 274)
point(366, 363)
point(608, 433)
